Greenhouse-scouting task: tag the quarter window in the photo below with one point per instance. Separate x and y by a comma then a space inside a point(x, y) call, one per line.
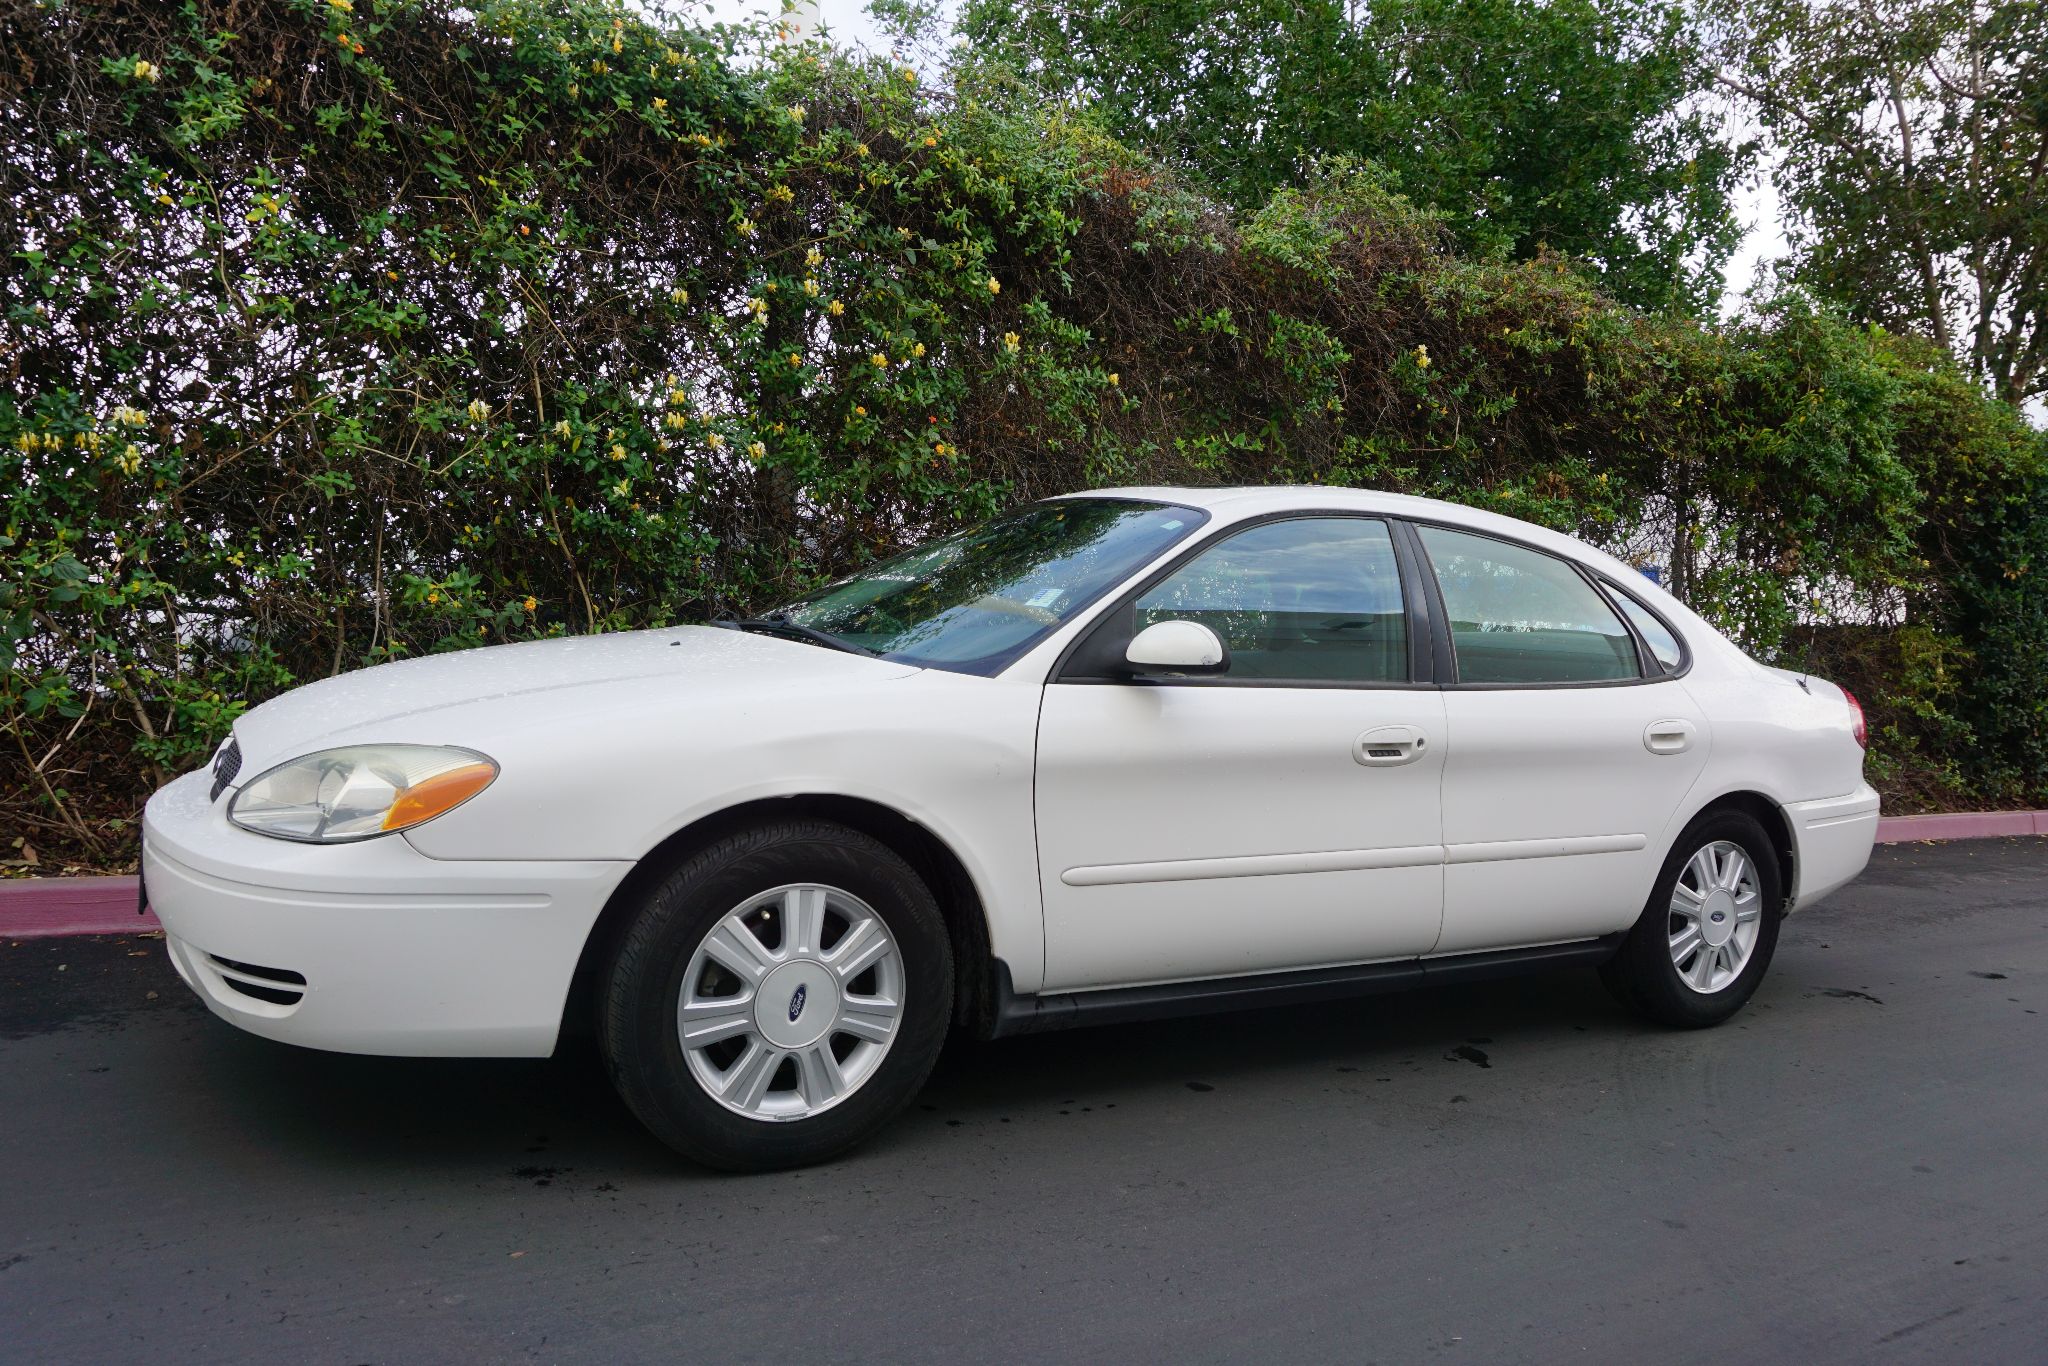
point(1664, 646)
point(1520, 616)
point(1309, 599)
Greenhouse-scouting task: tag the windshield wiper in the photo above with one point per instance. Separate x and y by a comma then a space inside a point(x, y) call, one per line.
point(777, 624)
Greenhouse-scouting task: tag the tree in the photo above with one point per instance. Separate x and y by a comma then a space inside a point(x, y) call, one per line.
point(1573, 126)
point(1915, 166)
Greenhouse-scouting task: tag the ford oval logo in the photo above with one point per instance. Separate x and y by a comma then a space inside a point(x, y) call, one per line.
point(796, 1003)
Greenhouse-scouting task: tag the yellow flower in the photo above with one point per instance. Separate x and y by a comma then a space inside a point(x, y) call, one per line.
point(478, 410)
point(860, 148)
point(679, 295)
point(814, 258)
point(879, 359)
point(623, 487)
point(345, 6)
point(678, 397)
point(995, 286)
point(1114, 379)
point(1422, 358)
point(910, 75)
point(757, 450)
point(562, 429)
point(1011, 341)
point(147, 71)
point(835, 308)
point(745, 227)
point(811, 288)
point(562, 46)
point(918, 350)
point(598, 68)
point(530, 603)
point(795, 359)
point(618, 451)
point(433, 597)
point(714, 441)
point(859, 411)
point(675, 422)
point(796, 113)
point(660, 103)
point(903, 233)
point(931, 142)
point(130, 417)
point(130, 459)
point(781, 194)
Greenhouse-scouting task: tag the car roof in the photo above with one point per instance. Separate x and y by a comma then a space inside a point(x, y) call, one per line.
point(1237, 503)
point(1241, 502)
point(1248, 500)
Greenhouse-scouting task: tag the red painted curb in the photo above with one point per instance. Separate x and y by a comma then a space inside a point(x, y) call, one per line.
point(1961, 825)
point(40, 907)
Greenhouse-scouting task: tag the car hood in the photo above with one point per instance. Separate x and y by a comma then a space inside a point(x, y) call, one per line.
point(556, 679)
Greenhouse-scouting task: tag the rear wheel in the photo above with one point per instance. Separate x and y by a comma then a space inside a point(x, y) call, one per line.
point(780, 996)
point(1708, 934)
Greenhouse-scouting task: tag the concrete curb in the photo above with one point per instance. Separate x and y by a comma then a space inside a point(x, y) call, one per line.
point(43, 907)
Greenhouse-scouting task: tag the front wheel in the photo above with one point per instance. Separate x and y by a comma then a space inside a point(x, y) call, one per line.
point(780, 996)
point(1707, 936)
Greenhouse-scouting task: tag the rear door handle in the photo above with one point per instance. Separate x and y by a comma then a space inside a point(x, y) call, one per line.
point(1389, 746)
point(1668, 737)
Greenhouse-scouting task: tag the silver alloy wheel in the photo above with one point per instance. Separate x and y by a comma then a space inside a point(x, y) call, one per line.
point(791, 1001)
point(1717, 912)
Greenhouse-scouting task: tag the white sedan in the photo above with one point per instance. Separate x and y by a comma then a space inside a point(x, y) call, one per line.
point(1122, 754)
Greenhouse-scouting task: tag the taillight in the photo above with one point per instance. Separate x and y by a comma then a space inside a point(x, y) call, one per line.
point(1856, 724)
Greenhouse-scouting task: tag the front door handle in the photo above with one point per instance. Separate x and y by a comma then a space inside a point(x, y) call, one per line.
point(1388, 746)
point(1668, 737)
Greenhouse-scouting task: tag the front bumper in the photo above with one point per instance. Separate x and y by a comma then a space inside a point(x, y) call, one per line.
point(1834, 838)
point(369, 947)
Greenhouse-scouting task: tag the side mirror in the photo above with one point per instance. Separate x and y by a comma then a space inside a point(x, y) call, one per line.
point(1177, 647)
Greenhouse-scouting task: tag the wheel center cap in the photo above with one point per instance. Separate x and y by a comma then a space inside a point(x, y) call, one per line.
point(796, 1004)
point(1717, 919)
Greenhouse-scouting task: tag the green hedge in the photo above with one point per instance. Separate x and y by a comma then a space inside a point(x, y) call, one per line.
point(336, 332)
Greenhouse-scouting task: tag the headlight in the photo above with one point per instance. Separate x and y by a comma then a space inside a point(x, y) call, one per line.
point(360, 792)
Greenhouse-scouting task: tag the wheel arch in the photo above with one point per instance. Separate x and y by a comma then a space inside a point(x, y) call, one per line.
point(1771, 816)
point(942, 870)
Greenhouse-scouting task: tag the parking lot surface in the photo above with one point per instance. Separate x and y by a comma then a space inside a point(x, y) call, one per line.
point(1855, 1169)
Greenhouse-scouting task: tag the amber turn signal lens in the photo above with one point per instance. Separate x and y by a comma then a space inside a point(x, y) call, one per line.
point(443, 792)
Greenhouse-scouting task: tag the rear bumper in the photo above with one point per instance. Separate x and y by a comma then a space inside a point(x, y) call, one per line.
point(1834, 838)
point(371, 947)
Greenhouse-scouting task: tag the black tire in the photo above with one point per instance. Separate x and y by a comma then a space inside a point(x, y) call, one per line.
point(638, 1032)
point(1643, 977)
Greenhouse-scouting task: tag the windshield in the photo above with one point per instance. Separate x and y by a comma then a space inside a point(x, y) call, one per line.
point(974, 602)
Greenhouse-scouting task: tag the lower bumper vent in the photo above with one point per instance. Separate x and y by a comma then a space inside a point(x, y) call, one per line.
point(278, 986)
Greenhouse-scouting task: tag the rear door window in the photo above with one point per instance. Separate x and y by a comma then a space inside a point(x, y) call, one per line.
point(1519, 616)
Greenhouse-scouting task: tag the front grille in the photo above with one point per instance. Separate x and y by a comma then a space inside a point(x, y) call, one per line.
point(278, 986)
point(226, 765)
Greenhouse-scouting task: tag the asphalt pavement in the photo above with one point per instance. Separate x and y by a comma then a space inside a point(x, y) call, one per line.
point(1856, 1169)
